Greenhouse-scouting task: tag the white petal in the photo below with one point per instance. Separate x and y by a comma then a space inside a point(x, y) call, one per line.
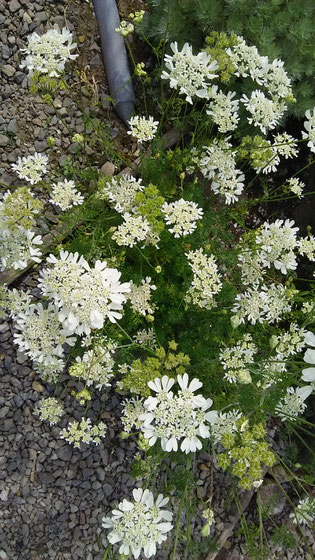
point(309, 356)
point(310, 338)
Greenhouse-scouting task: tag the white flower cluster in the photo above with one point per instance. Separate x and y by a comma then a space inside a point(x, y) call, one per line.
point(218, 163)
point(289, 342)
point(206, 282)
point(18, 247)
point(140, 524)
point(132, 410)
point(50, 409)
point(83, 432)
point(306, 246)
point(236, 359)
point(305, 512)
point(182, 215)
point(41, 335)
point(65, 195)
point(225, 424)
point(49, 52)
point(284, 344)
point(223, 109)
point(96, 365)
point(264, 303)
point(285, 145)
point(265, 113)
point(189, 73)
point(251, 267)
point(14, 301)
point(31, 168)
point(293, 405)
point(140, 297)
point(132, 230)
point(277, 242)
point(49, 372)
point(309, 125)
point(85, 296)
point(146, 338)
point(143, 129)
point(296, 186)
point(122, 192)
point(248, 62)
point(171, 418)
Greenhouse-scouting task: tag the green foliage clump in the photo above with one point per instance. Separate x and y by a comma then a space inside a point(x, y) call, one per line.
point(279, 29)
point(216, 45)
point(149, 204)
point(136, 378)
point(245, 453)
point(283, 537)
point(140, 373)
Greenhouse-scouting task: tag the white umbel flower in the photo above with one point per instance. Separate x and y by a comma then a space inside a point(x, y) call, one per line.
point(41, 335)
point(121, 191)
point(235, 360)
point(206, 281)
point(248, 62)
point(251, 267)
point(296, 186)
point(143, 129)
point(132, 410)
point(309, 126)
point(86, 296)
point(265, 112)
point(223, 109)
point(277, 242)
point(293, 405)
point(264, 303)
point(132, 230)
point(182, 215)
point(96, 365)
point(83, 432)
point(65, 195)
point(218, 163)
point(172, 418)
point(50, 409)
point(306, 246)
point(140, 524)
point(31, 168)
point(140, 297)
point(189, 73)
point(285, 145)
point(277, 81)
point(49, 52)
point(226, 423)
point(18, 247)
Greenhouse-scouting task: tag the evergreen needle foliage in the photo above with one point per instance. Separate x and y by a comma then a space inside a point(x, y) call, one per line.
point(281, 29)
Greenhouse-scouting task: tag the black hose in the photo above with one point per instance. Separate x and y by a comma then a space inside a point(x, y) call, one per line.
point(115, 58)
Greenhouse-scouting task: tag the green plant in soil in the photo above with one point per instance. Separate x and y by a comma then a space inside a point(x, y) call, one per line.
point(170, 290)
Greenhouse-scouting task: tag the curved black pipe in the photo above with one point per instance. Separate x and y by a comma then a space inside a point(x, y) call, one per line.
point(115, 58)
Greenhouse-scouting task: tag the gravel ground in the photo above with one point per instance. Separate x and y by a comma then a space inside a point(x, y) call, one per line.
point(52, 497)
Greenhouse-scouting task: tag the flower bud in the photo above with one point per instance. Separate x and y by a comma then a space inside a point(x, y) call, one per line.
point(235, 321)
point(273, 341)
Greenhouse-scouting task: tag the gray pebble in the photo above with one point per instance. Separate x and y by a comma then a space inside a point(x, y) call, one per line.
point(14, 5)
point(8, 70)
point(4, 140)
